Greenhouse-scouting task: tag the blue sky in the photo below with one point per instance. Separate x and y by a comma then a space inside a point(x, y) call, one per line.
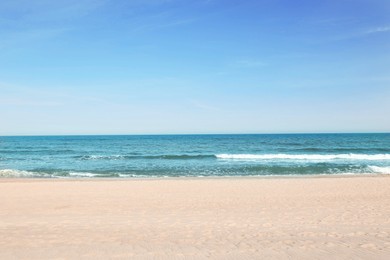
point(166, 66)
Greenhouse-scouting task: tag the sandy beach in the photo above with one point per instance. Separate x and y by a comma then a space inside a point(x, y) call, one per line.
point(227, 218)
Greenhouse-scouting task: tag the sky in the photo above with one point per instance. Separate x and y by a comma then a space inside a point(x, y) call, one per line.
point(194, 67)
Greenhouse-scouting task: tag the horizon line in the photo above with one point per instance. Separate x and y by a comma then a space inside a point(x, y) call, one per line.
point(189, 134)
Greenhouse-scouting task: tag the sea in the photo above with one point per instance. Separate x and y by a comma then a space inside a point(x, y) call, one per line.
point(158, 156)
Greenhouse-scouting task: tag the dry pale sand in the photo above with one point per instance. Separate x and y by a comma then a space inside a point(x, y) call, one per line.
point(247, 218)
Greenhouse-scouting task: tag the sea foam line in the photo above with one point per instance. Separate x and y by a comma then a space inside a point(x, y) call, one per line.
point(7, 173)
point(129, 157)
point(382, 170)
point(304, 156)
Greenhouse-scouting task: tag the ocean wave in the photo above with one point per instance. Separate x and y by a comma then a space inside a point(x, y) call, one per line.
point(132, 157)
point(343, 150)
point(82, 174)
point(304, 156)
point(180, 157)
point(35, 151)
point(9, 173)
point(99, 157)
point(378, 169)
point(266, 170)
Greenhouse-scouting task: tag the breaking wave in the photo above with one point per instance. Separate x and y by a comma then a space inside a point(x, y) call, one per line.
point(9, 173)
point(133, 157)
point(378, 169)
point(304, 156)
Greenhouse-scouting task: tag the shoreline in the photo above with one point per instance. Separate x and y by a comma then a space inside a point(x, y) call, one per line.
point(260, 177)
point(347, 217)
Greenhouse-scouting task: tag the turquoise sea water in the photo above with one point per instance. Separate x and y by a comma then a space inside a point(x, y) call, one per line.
point(194, 155)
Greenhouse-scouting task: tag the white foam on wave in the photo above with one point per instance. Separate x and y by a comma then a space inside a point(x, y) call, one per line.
point(9, 173)
point(378, 169)
point(83, 174)
point(304, 156)
point(102, 157)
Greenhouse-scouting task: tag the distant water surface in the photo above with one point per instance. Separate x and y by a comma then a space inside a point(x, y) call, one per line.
point(194, 155)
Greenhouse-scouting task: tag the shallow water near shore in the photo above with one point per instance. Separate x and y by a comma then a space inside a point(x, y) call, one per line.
point(194, 155)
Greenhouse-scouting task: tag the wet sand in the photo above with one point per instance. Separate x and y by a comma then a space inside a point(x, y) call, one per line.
point(227, 218)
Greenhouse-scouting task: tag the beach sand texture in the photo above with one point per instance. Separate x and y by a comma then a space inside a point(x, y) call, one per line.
point(237, 218)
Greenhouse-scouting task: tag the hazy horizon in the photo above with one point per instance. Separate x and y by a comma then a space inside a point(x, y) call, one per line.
point(199, 134)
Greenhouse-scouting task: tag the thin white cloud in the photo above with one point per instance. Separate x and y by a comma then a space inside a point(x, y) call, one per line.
point(33, 96)
point(360, 34)
point(203, 106)
point(149, 25)
point(248, 63)
point(332, 21)
point(28, 102)
point(23, 22)
point(25, 37)
point(43, 10)
point(378, 30)
point(28, 21)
